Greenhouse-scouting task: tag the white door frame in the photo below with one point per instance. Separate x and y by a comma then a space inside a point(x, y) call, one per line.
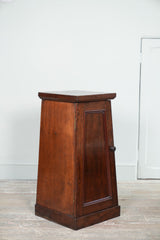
point(139, 107)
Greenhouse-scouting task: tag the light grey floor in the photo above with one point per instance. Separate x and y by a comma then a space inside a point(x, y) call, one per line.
point(139, 220)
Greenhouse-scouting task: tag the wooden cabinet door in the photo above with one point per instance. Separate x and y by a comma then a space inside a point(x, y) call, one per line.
point(95, 164)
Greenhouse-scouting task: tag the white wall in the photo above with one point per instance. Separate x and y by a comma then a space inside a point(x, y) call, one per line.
point(62, 45)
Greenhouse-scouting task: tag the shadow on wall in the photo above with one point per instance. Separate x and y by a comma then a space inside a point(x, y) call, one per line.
point(23, 145)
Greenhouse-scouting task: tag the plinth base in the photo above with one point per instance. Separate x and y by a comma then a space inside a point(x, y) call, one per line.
point(79, 222)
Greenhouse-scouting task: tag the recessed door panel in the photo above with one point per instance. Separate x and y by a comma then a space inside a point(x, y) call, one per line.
point(95, 156)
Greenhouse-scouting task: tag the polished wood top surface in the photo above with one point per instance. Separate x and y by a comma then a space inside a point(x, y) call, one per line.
point(76, 96)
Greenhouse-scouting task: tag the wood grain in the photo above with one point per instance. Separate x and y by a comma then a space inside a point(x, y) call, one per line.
point(101, 170)
point(77, 222)
point(95, 162)
point(55, 187)
point(76, 96)
point(76, 173)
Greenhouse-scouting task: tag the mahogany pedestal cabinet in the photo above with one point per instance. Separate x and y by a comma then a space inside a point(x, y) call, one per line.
point(76, 174)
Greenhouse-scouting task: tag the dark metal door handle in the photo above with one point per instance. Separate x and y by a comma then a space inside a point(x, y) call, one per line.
point(112, 148)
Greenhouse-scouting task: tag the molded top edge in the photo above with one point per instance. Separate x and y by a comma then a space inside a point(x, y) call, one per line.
point(76, 96)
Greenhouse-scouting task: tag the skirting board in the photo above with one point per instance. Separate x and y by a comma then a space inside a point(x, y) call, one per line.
point(29, 171)
point(18, 171)
point(126, 173)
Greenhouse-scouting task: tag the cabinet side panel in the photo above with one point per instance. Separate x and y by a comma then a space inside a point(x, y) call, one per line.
point(55, 187)
point(111, 153)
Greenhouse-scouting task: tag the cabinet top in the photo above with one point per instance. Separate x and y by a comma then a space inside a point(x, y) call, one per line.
point(76, 96)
